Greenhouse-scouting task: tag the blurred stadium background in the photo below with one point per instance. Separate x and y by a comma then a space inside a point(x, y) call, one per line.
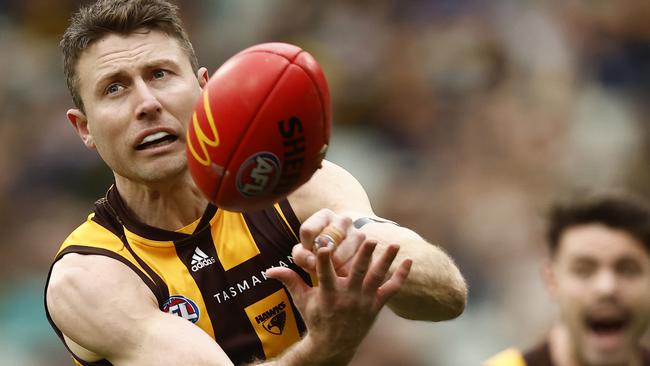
point(462, 118)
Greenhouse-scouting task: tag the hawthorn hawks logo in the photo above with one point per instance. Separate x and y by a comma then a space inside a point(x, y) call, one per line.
point(183, 307)
point(258, 174)
point(274, 319)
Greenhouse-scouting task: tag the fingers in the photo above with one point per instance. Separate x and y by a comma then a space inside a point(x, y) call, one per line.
point(361, 264)
point(346, 249)
point(304, 258)
point(315, 225)
point(394, 283)
point(377, 273)
point(330, 237)
point(328, 229)
point(325, 270)
point(290, 279)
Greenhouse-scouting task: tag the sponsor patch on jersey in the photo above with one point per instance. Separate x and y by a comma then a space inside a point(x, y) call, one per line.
point(258, 174)
point(183, 307)
point(273, 319)
point(274, 322)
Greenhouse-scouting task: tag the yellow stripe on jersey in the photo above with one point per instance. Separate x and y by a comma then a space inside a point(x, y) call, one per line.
point(232, 238)
point(509, 357)
point(274, 322)
point(92, 233)
point(279, 210)
point(189, 229)
point(162, 259)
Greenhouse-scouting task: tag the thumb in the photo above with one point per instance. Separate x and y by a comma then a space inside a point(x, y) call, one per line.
point(290, 279)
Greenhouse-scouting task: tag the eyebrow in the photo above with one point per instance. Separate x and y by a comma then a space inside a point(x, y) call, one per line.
point(583, 259)
point(160, 62)
point(627, 259)
point(117, 74)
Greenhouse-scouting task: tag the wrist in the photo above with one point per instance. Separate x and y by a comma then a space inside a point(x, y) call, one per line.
point(311, 352)
point(322, 351)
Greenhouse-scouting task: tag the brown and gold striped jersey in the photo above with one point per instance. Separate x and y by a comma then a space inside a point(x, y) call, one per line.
point(210, 272)
point(538, 356)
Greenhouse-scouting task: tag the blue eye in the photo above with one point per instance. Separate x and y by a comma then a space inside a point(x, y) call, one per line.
point(113, 88)
point(159, 74)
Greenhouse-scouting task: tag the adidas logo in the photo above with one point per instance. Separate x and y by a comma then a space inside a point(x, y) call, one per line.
point(200, 260)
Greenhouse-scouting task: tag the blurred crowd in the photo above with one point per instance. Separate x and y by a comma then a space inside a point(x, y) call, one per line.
point(462, 118)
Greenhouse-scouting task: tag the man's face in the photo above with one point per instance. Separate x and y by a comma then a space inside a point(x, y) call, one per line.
point(601, 279)
point(139, 92)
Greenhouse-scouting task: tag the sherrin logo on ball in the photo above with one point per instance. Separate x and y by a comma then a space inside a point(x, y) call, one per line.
point(261, 127)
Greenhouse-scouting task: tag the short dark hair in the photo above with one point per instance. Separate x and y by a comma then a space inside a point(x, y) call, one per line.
point(103, 17)
point(616, 210)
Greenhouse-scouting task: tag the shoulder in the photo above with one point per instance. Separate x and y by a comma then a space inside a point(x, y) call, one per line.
point(508, 357)
point(87, 293)
point(87, 280)
point(92, 233)
point(330, 187)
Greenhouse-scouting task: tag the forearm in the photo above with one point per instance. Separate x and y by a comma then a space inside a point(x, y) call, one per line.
point(308, 352)
point(435, 289)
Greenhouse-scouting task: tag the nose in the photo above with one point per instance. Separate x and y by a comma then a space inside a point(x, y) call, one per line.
point(148, 106)
point(606, 283)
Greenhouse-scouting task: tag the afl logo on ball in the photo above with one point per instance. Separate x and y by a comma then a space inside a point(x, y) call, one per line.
point(183, 307)
point(259, 174)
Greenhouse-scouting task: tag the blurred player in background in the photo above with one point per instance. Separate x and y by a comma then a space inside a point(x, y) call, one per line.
point(599, 274)
point(157, 275)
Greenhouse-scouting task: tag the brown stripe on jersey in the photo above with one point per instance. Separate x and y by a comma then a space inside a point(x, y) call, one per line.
point(103, 362)
point(227, 294)
point(230, 324)
point(539, 356)
point(291, 217)
point(270, 233)
point(106, 216)
point(208, 214)
point(267, 227)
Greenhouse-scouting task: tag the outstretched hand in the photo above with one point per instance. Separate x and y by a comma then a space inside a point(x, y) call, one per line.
point(341, 309)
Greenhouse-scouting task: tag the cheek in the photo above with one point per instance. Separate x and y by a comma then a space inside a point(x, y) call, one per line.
point(180, 103)
point(637, 293)
point(108, 134)
point(572, 295)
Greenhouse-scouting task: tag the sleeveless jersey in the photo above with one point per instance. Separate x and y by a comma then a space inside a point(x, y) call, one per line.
point(539, 356)
point(210, 272)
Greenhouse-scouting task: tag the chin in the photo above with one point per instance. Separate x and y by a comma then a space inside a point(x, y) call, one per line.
point(597, 358)
point(163, 173)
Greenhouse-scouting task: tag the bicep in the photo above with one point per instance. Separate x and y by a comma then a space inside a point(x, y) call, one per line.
point(104, 307)
point(334, 188)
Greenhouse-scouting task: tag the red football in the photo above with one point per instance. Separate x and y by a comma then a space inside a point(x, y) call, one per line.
point(261, 127)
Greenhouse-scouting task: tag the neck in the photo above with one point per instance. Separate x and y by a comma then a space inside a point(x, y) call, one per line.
point(563, 349)
point(169, 206)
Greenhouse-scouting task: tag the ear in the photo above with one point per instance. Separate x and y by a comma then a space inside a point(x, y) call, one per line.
point(203, 76)
point(80, 124)
point(549, 279)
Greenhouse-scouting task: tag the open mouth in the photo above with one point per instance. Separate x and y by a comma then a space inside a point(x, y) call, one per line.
point(607, 326)
point(155, 140)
